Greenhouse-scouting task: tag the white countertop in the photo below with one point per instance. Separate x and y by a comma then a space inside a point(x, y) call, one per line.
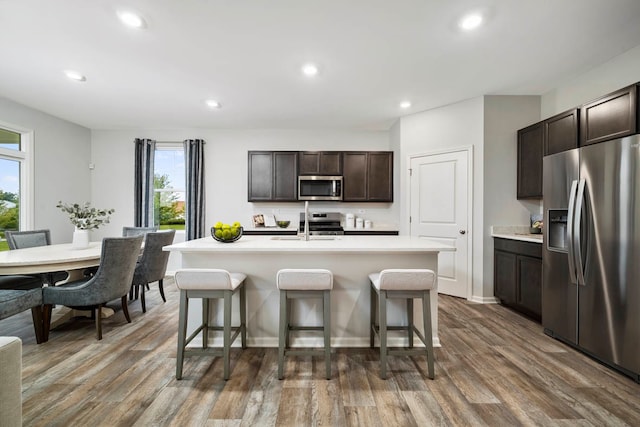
point(516, 233)
point(316, 244)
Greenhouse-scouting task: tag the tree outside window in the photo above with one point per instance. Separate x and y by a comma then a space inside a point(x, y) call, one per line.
point(169, 184)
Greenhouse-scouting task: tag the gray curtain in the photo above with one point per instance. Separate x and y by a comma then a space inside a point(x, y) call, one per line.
point(195, 203)
point(143, 204)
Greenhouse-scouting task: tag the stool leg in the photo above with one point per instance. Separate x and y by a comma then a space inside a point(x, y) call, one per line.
point(205, 322)
point(182, 332)
point(410, 321)
point(243, 315)
point(288, 313)
point(428, 333)
point(281, 334)
point(382, 318)
point(326, 320)
point(227, 332)
point(372, 315)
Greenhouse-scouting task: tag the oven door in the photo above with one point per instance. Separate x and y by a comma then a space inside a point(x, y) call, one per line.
point(320, 188)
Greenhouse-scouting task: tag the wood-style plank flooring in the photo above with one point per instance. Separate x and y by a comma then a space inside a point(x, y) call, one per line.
point(494, 368)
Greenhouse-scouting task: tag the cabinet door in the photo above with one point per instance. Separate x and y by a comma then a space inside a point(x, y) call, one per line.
point(530, 284)
point(530, 162)
point(612, 116)
point(355, 176)
point(285, 176)
point(380, 177)
point(561, 132)
point(260, 177)
point(309, 163)
point(331, 163)
point(504, 276)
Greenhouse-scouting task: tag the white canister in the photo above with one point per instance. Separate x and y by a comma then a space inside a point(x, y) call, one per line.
point(368, 223)
point(359, 223)
point(350, 220)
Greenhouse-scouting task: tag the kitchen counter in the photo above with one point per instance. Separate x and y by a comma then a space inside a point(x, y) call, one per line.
point(350, 258)
point(516, 233)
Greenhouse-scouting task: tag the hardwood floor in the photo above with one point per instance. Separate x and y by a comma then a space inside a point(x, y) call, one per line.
point(494, 368)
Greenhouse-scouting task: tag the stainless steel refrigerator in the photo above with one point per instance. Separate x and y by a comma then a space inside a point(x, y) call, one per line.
point(591, 251)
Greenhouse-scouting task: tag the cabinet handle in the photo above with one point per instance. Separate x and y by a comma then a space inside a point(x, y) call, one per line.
point(463, 231)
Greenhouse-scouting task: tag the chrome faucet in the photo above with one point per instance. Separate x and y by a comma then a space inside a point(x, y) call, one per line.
point(306, 221)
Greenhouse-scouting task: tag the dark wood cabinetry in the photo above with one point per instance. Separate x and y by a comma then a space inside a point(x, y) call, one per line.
point(530, 150)
point(320, 163)
point(612, 116)
point(273, 176)
point(368, 176)
point(517, 275)
point(560, 132)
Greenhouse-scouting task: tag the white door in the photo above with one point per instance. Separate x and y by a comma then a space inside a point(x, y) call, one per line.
point(440, 211)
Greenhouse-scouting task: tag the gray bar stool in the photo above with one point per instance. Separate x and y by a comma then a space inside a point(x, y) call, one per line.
point(209, 284)
point(304, 283)
point(406, 284)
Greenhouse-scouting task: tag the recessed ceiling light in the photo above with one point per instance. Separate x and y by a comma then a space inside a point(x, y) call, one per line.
point(131, 19)
point(405, 104)
point(74, 75)
point(212, 103)
point(470, 22)
point(310, 70)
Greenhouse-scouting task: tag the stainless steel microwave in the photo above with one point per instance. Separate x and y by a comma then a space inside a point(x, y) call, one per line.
point(314, 187)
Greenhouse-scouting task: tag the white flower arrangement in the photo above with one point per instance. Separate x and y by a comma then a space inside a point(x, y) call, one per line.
point(84, 217)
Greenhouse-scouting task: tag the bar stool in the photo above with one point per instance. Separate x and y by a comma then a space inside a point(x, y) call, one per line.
point(304, 283)
point(406, 284)
point(209, 284)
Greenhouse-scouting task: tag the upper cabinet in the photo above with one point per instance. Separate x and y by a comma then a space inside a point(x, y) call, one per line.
point(530, 149)
point(368, 176)
point(560, 132)
point(273, 176)
point(320, 163)
point(612, 116)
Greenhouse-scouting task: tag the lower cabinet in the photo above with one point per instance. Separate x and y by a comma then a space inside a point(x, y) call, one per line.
point(517, 277)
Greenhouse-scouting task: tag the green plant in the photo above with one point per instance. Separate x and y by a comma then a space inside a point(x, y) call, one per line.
point(84, 216)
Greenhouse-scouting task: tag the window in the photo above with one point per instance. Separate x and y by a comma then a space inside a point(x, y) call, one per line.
point(14, 182)
point(169, 186)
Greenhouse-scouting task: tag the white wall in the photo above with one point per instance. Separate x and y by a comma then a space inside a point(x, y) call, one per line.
point(62, 152)
point(455, 125)
point(225, 170)
point(617, 73)
point(503, 116)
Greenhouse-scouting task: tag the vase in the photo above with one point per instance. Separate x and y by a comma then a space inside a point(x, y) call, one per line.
point(80, 239)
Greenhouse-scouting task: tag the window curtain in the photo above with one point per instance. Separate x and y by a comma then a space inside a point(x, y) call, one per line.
point(143, 204)
point(194, 215)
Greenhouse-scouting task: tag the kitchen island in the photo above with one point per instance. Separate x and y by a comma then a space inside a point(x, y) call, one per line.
point(350, 258)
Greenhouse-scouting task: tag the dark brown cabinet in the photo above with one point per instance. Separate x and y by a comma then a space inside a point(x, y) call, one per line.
point(612, 116)
point(517, 275)
point(530, 150)
point(560, 132)
point(273, 176)
point(368, 176)
point(320, 163)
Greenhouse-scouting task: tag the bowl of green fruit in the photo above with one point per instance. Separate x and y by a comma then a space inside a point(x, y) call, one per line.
point(226, 233)
point(283, 224)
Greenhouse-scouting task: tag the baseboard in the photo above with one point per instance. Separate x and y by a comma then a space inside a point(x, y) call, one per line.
point(485, 300)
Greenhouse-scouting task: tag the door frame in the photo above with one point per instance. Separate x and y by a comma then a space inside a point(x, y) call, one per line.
point(468, 149)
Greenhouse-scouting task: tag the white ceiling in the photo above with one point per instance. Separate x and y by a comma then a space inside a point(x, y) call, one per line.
point(247, 54)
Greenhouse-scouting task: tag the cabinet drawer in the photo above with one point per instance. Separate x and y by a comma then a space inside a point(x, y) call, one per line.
point(518, 247)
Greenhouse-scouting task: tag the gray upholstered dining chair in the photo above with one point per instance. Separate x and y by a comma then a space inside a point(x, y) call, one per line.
point(111, 281)
point(152, 265)
point(135, 231)
point(31, 239)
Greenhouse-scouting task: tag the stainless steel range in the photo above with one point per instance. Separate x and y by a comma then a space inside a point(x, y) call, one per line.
point(323, 224)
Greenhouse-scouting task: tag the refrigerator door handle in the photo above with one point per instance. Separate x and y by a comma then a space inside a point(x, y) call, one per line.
point(576, 232)
point(570, 240)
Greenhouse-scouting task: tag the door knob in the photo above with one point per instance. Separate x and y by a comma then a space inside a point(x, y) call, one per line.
point(463, 231)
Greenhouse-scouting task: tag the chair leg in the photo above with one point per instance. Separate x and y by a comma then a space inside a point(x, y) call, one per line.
point(326, 320)
point(428, 333)
point(161, 288)
point(382, 318)
point(125, 308)
point(205, 322)
point(410, 321)
point(46, 321)
point(36, 314)
point(98, 311)
point(182, 332)
point(282, 332)
point(131, 292)
point(243, 315)
point(144, 305)
point(227, 333)
point(372, 315)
